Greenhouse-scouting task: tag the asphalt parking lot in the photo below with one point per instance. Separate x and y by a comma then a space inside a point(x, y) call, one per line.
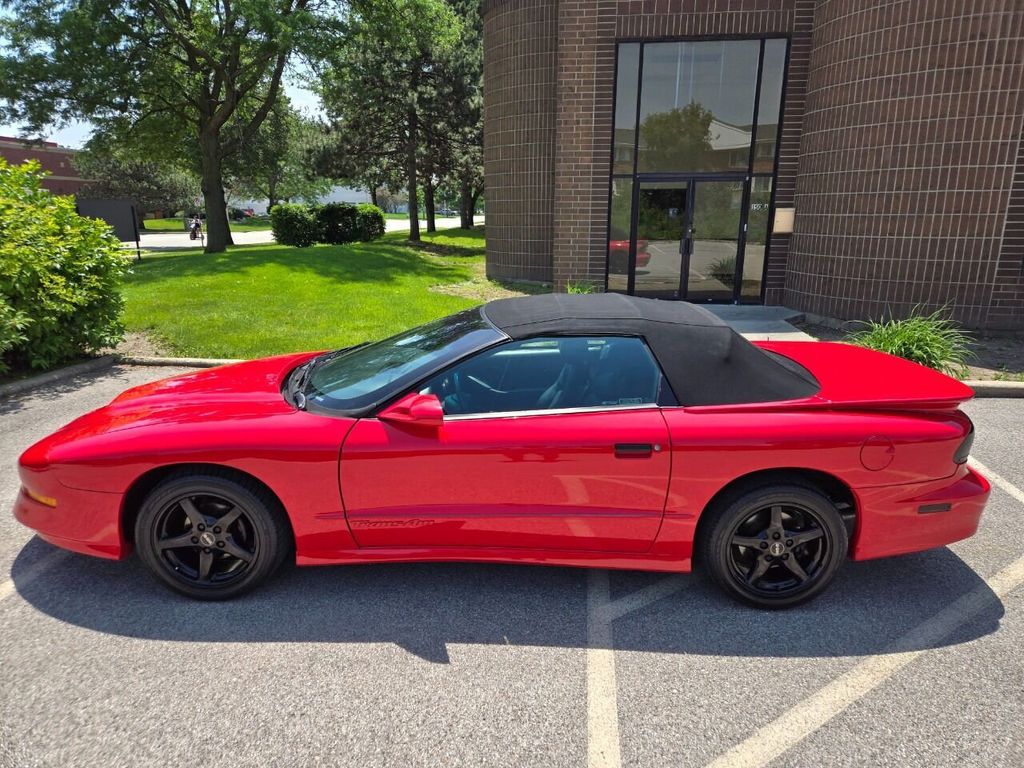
point(909, 661)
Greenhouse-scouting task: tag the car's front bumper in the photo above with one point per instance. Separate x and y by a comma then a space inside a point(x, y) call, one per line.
point(897, 519)
point(83, 521)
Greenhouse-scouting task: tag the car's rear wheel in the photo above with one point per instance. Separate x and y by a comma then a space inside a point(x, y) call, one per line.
point(211, 537)
point(774, 547)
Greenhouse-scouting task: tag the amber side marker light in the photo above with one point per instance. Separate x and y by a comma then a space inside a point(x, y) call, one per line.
point(47, 500)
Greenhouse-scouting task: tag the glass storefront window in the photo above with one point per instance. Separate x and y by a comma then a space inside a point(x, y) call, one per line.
point(697, 106)
point(757, 236)
point(625, 107)
point(769, 106)
point(696, 129)
point(618, 235)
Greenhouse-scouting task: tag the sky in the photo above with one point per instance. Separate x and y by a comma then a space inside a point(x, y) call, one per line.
point(76, 134)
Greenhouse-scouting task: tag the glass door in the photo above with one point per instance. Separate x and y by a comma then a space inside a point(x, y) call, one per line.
point(662, 213)
point(711, 243)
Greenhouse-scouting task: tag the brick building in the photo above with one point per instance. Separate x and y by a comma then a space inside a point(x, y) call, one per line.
point(56, 160)
point(842, 157)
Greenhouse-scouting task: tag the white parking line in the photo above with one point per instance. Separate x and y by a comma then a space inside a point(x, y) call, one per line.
point(786, 731)
point(652, 593)
point(997, 479)
point(34, 571)
point(602, 693)
point(603, 746)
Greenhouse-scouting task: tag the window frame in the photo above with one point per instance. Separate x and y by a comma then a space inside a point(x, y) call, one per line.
point(636, 177)
point(665, 389)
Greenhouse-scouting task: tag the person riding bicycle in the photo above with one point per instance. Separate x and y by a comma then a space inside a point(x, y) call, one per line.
point(195, 227)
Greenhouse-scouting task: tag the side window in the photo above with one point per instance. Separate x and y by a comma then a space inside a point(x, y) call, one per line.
point(552, 373)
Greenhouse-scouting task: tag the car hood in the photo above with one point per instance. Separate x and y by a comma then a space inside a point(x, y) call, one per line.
point(254, 381)
point(234, 393)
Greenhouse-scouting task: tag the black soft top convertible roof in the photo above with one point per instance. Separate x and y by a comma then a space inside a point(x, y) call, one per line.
point(706, 362)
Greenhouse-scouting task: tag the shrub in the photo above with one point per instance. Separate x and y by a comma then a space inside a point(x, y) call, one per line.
point(724, 270)
point(369, 222)
point(294, 224)
point(60, 275)
point(930, 340)
point(579, 287)
point(338, 223)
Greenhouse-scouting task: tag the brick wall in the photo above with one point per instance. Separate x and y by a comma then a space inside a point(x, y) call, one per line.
point(565, 119)
point(910, 141)
point(519, 136)
point(64, 178)
point(901, 145)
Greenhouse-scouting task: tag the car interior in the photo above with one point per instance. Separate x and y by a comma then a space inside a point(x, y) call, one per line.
point(552, 373)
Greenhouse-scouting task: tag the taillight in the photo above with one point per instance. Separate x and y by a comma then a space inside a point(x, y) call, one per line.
point(960, 457)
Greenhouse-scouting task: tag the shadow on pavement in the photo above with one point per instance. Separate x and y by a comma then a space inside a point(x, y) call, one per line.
point(423, 607)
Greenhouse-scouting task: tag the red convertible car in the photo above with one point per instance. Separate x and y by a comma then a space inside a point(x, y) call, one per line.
point(603, 431)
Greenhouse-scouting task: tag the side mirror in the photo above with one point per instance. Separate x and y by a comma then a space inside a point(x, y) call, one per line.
point(415, 409)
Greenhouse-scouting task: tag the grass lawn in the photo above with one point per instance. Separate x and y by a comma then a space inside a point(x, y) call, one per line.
point(175, 225)
point(262, 300)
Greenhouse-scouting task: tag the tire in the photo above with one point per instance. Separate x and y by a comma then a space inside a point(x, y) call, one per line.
point(178, 537)
point(756, 546)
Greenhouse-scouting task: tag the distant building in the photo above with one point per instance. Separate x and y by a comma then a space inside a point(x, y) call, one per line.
point(56, 160)
point(845, 159)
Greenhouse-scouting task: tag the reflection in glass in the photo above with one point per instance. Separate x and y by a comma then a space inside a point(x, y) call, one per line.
point(697, 105)
point(618, 235)
point(714, 240)
point(770, 105)
point(757, 236)
point(660, 220)
point(625, 107)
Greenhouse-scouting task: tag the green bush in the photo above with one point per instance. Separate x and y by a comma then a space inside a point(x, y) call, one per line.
point(294, 224)
point(369, 222)
point(930, 340)
point(338, 223)
point(579, 287)
point(60, 275)
point(724, 270)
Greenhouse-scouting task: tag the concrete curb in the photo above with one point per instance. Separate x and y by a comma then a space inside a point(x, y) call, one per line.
point(997, 388)
point(178, 362)
point(23, 385)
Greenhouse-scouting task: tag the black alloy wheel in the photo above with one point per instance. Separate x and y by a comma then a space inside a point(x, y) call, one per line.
point(775, 547)
point(211, 537)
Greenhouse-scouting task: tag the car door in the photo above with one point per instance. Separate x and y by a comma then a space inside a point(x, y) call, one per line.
point(545, 444)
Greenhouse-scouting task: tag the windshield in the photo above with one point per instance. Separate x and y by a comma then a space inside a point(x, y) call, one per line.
point(367, 375)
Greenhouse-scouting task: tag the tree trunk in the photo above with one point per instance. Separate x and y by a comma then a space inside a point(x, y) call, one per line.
point(428, 203)
point(218, 233)
point(412, 120)
point(271, 194)
point(466, 206)
point(373, 195)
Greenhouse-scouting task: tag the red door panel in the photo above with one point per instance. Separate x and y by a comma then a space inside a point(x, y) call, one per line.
point(550, 481)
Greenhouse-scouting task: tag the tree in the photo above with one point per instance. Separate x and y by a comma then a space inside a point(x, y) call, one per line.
point(160, 74)
point(676, 139)
point(460, 113)
point(377, 87)
point(279, 163)
point(116, 173)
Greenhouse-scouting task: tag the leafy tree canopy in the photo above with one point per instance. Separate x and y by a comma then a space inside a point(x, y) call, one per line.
point(162, 74)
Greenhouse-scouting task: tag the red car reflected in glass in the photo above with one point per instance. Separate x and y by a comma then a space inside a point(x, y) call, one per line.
point(618, 253)
point(601, 431)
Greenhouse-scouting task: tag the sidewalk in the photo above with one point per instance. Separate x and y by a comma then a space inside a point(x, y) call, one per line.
point(760, 323)
point(175, 241)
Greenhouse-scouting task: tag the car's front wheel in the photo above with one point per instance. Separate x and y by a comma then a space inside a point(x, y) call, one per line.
point(211, 537)
point(774, 547)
